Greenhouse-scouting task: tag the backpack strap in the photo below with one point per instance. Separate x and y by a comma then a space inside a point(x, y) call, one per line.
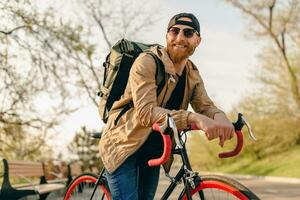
point(160, 81)
point(160, 72)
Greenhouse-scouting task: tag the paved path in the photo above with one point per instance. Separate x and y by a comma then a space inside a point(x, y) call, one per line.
point(272, 189)
point(264, 188)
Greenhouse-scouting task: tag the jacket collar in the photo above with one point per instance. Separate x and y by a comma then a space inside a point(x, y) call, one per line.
point(161, 52)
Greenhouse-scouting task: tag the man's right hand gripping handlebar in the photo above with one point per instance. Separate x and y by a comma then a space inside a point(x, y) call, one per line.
point(169, 129)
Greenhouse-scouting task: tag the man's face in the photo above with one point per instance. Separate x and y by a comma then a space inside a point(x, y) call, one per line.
point(179, 44)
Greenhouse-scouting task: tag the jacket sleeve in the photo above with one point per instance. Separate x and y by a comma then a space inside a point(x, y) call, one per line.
point(200, 101)
point(143, 87)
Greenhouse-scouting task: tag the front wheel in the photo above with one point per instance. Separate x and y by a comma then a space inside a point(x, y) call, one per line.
point(82, 188)
point(219, 187)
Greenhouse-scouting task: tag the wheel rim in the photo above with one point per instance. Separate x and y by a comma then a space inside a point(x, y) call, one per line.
point(217, 190)
point(82, 188)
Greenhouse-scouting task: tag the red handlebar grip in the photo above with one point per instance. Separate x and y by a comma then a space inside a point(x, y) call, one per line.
point(156, 127)
point(167, 148)
point(238, 148)
point(166, 154)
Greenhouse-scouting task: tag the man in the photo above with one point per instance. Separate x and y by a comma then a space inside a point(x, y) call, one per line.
point(127, 143)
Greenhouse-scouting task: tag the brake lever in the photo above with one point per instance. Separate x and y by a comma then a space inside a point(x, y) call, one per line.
point(251, 134)
point(172, 125)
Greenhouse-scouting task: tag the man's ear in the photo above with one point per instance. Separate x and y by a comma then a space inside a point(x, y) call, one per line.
point(198, 40)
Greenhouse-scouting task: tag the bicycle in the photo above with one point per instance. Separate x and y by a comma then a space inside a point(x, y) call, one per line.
point(204, 187)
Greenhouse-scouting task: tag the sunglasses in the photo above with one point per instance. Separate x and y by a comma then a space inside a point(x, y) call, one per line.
point(187, 32)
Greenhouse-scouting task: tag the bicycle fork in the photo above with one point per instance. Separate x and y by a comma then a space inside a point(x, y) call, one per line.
point(191, 182)
point(99, 182)
point(190, 179)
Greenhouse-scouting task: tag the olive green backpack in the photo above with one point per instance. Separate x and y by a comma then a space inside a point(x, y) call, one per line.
point(116, 72)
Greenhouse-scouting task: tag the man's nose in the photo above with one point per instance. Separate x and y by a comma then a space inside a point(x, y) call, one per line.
point(180, 36)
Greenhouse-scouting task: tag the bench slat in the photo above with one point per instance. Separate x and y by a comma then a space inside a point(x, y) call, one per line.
point(44, 188)
point(26, 173)
point(26, 169)
point(17, 162)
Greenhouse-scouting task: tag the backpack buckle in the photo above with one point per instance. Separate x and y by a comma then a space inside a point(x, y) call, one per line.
point(99, 94)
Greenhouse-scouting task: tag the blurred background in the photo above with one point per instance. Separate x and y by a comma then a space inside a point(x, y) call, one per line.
point(51, 55)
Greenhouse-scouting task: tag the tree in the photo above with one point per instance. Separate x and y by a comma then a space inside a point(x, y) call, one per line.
point(274, 108)
point(112, 20)
point(17, 144)
point(85, 149)
point(33, 55)
point(45, 56)
point(118, 19)
point(277, 23)
point(50, 62)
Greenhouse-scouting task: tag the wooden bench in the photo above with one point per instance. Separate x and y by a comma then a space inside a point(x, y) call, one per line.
point(74, 169)
point(23, 171)
point(56, 173)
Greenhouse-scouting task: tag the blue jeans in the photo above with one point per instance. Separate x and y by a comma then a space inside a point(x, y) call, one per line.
point(134, 179)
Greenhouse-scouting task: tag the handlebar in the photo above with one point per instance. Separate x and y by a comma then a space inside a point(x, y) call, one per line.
point(166, 135)
point(238, 125)
point(169, 129)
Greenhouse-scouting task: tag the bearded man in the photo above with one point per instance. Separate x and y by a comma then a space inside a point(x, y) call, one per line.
point(128, 142)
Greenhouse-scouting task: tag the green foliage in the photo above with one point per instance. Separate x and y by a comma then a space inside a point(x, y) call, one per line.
point(85, 150)
point(202, 152)
point(19, 144)
point(284, 163)
point(274, 125)
point(274, 108)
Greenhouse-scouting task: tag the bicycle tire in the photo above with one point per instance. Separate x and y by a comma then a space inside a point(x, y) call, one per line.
point(226, 188)
point(82, 187)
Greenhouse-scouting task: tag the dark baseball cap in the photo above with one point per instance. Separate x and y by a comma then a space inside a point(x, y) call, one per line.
point(176, 20)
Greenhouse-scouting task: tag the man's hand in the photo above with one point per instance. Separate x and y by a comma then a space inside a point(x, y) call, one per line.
point(220, 127)
point(227, 129)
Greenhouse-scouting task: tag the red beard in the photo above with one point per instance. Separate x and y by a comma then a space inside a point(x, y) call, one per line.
point(177, 55)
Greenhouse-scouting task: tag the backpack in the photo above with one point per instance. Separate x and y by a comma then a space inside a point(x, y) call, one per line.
point(116, 72)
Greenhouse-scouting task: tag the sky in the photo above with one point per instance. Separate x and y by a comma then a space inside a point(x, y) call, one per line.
point(225, 58)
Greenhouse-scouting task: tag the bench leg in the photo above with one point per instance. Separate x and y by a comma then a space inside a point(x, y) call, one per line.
point(15, 194)
point(43, 196)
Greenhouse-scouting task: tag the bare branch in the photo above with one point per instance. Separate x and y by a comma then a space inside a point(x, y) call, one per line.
point(271, 14)
point(13, 30)
point(99, 22)
point(281, 44)
point(283, 47)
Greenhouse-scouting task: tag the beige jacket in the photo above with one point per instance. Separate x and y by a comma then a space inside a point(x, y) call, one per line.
point(121, 140)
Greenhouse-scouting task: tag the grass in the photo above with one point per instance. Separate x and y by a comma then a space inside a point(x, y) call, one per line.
point(284, 164)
